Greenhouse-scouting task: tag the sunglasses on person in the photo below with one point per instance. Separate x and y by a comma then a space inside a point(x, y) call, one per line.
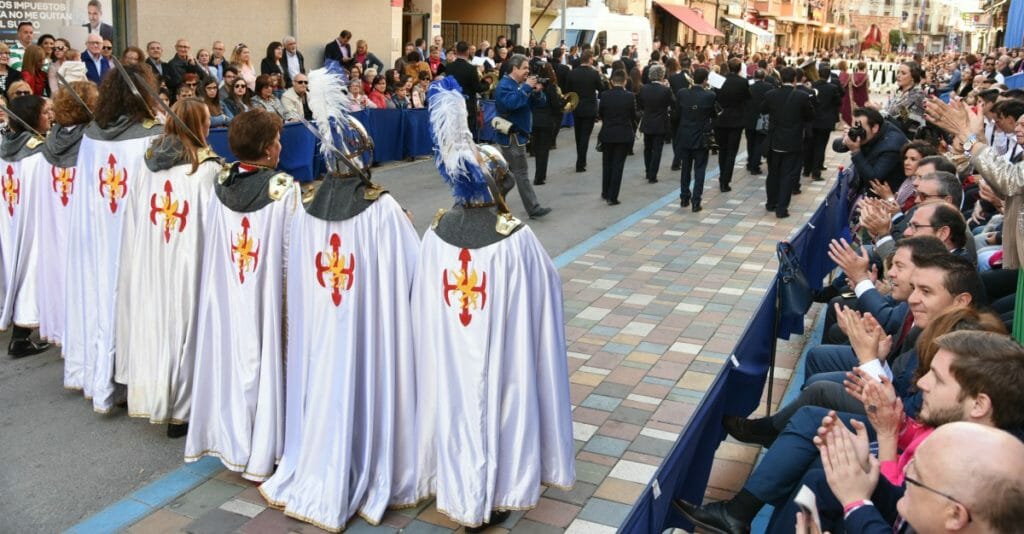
point(239, 85)
point(22, 93)
point(191, 84)
point(108, 48)
point(301, 82)
point(60, 48)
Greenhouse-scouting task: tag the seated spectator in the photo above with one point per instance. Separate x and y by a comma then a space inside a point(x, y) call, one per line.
point(877, 155)
point(276, 81)
point(414, 65)
point(393, 76)
point(435, 61)
point(7, 75)
point(296, 99)
point(184, 91)
point(230, 75)
point(368, 76)
point(241, 58)
point(378, 94)
point(364, 57)
point(239, 100)
point(359, 99)
point(355, 73)
point(273, 62)
point(18, 88)
point(133, 55)
point(264, 96)
point(190, 82)
point(419, 91)
point(913, 152)
point(400, 98)
point(32, 70)
point(211, 96)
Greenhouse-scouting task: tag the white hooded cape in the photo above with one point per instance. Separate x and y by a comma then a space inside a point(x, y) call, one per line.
point(158, 289)
point(238, 383)
point(107, 175)
point(349, 445)
point(21, 186)
point(493, 412)
point(54, 220)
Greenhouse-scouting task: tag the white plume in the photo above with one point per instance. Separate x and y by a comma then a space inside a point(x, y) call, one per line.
point(330, 103)
point(449, 122)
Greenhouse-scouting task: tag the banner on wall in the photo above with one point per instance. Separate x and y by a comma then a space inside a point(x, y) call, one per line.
point(70, 19)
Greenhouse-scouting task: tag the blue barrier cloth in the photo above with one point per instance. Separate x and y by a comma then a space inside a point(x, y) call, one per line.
point(297, 152)
point(1014, 25)
point(1017, 80)
point(737, 388)
point(416, 125)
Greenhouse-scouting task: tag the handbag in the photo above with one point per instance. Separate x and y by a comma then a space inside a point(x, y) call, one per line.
point(794, 291)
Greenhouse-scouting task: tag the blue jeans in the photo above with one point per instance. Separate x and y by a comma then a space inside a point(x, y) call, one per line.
point(829, 358)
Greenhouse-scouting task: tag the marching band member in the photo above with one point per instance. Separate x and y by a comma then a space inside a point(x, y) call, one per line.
point(162, 244)
point(351, 259)
point(492, 390)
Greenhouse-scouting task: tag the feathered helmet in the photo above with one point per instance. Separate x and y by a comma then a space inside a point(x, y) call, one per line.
point(456, 156)
point(330, 103)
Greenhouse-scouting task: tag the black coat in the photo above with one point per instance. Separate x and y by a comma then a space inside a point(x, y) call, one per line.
point(267, 66)
point(468, 77)
point(617, 111)
point(826, 109)
point(788, 110)
point(695, 106)
point(333, 51)
point(679, 80)
point(562, 73)
point(733, 97)
point(757, 92)
point(548, 116)
point(655, 101)
point(153, 66)
point(586, 83)
point(175, 70)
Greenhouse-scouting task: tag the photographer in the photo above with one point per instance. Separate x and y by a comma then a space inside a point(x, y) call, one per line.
point(517, 93)
point(874, 145)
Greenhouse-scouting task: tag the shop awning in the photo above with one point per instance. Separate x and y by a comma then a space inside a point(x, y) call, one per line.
point(750, 28)
point(691, 18)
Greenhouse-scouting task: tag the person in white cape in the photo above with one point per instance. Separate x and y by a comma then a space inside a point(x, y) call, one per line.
point(55, 206)
point(492, 392)
point(21, 186)
point(238, 382)
point(158, 287)
point(109, 162)
point(351, 260)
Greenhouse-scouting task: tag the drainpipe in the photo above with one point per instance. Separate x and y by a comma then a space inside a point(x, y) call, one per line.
point(294, 30)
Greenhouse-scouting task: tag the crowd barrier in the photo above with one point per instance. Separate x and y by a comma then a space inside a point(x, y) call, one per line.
point(737, 388)
point(397, 133)
point(1016, 81)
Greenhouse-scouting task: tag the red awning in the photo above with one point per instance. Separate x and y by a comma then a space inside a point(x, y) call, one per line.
point(692, 18)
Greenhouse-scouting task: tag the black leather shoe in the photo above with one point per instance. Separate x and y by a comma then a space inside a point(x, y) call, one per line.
point(769, 207)
point(652, 180)
point(177, 431)
point(539, 182)
point(696, 207)
point(24, 347)
point(797, 191)
point(781, 214)
point(497, 517)
point(724, 188)
point(755, 172)
point(676, 167)
point(826, 294)
point(806, 174)
point(540, 213)
point(817, 178)
point(713, 517)
point(581, 169)
point(740, 429)
point(613, 202)
point(684, 203)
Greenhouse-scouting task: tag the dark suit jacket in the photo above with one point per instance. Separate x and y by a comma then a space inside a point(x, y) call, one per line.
point(333, 51)
point(585, 82)
point(467, 75)
point(732, 97)
point(562, 73)
point(174, 72)
point(655, 101)
point(267, 66)
point(694, 106)
point(757, 92)
point(679, 80)
point(106, 30)
point(617, 111)
point(788, 109)
point(826, 110)
point(157, 71)
point(90, 68)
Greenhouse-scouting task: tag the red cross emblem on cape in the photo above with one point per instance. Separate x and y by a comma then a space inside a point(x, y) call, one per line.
point(245, 251)
point(466, 285)
point(63, 182)
point(168, 207)
point(115, 181)
point(340, 271)
point(11, 190)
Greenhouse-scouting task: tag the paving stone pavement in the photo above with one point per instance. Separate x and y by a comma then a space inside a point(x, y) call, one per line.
point(651, 316)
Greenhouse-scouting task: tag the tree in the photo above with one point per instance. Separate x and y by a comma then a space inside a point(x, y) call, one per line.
point(895, 39)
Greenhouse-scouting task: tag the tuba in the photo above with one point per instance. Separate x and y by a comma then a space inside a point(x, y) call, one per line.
point(570, 101)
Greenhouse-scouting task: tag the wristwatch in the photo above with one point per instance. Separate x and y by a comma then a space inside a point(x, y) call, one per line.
point(969, 142)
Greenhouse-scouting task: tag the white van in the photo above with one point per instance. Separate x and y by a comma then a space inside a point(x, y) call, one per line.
point(598, 27)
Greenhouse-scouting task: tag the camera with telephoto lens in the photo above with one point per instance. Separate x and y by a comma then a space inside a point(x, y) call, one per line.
point(857, 133)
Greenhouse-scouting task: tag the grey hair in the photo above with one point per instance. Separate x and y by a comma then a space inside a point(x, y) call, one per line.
point(289, 39)
point(517, 61)
point(656, 72)
point(949, 185)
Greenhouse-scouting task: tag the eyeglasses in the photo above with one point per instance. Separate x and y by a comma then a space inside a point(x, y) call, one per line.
point(22, 93)
point(94, 44)
point(60, 48)
point(301, 82)
point(108, 48)
point(191, 84)
point(239, 85)
point(917, 226)
point(918, 483)
point(925, 196)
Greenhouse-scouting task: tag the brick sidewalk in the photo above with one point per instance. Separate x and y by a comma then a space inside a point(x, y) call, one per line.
point(651, 316)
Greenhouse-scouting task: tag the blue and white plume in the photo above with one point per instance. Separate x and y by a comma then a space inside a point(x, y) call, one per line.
point(455, 154)
point(329, 101)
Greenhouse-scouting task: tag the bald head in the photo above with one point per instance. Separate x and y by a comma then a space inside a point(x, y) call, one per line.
point(965, 477)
